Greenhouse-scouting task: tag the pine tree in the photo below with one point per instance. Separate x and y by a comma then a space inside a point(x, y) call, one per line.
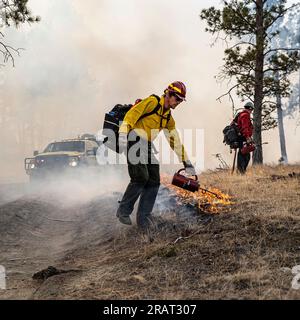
point(252, 61)
point(14, 12)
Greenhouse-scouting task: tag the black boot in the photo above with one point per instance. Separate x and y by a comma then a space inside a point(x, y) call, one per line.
point(146, 203)
point(126, 206)
point(124, 219)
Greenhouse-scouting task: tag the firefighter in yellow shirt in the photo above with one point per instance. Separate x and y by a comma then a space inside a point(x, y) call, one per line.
point(143, 123)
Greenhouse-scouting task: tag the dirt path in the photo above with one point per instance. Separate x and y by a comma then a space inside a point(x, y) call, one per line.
point(37, 231)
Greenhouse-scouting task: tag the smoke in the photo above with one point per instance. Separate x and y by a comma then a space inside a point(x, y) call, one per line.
point(84, 57)
point(70, 188)
point(81, 186)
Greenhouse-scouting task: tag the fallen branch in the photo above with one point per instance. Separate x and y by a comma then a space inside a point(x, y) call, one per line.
point(50, 272)
point(187, 237)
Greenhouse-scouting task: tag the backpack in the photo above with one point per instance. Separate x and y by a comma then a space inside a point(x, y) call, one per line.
point(114, 119)
point(232, 133)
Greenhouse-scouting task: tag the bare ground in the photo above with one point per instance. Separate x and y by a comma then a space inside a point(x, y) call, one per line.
point(246, 253)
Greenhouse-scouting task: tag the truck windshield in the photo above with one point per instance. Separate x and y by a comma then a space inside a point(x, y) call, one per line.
point(65, 146)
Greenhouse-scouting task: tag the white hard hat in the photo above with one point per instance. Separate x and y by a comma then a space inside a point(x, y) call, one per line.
point(249, 105)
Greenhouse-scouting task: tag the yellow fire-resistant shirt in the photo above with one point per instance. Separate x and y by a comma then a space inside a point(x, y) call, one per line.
point(150, 126)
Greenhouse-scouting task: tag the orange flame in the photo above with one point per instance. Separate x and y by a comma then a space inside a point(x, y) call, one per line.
point(204, 201)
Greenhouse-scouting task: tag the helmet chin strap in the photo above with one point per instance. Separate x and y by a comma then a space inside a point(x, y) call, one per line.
point(166, 104)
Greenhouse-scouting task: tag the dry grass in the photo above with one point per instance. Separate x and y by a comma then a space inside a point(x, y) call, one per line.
point(242, 254)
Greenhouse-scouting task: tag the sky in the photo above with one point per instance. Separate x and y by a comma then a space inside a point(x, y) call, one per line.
point(85, 57)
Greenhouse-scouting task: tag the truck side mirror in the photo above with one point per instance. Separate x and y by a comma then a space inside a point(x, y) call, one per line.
point(35, 153)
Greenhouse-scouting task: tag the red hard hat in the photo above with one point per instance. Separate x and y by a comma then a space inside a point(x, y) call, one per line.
point(178, 88)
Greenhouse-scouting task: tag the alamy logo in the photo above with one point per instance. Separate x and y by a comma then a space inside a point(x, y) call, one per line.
point(189, 141)
point(296, 279)
point(2, 278)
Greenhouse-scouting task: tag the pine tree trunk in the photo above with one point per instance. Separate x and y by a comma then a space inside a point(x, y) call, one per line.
point(299, 89)
point(259, 76)
point(284, 158)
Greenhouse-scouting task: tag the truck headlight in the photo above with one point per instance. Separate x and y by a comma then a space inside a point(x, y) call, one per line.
point(32, 166)
point(73, 162)
point(39, 161)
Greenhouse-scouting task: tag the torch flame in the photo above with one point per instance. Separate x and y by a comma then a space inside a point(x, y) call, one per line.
point(211, 200)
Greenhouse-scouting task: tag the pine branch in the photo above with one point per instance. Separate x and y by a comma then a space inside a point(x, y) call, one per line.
point(252, 27)
point(281, 14)
point(281, 49)
point(7, 52)
point(228, 92)
point(241, 43)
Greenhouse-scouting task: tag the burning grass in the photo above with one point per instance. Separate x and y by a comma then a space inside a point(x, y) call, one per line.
point(206, 200)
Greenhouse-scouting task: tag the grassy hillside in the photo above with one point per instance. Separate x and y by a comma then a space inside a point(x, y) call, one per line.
point(244, 252)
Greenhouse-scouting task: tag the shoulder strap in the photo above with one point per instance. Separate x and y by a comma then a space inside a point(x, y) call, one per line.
point(156, 97)
point(155, 110)
point(235, 119)
point(169, 114)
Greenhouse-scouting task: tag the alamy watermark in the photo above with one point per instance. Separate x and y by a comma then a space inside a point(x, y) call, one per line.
point(2, 278)
point(162, 144)
point(296, 279)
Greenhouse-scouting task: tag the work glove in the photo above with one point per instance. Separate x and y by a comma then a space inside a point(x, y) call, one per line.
point(122, 142)
point(189, 168)
point(249, 140)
